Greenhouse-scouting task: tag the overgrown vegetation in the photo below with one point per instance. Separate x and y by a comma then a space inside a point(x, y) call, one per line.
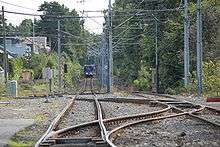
point(134, 54)
point(12, 143)
point(212, 78)
point(73, 55)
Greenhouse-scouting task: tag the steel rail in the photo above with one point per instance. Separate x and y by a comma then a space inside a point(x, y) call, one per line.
point(135, 118)
point(193, 112)
point(176, 101)
point(55, 122)
point(108, 121)
point(137, 122)
point(100, 120)
point(190, 113)
point(152, 119)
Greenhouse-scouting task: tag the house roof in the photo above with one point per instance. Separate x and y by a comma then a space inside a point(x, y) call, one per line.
point(10, 55)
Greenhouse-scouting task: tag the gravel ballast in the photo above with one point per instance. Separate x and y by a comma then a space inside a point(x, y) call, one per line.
point(178, 131)
point(81, 112)
point(117, 109)
point(42, 112)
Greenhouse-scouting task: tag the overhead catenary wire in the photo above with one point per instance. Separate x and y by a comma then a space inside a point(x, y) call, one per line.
point(128, 18)
point(159, 10)
point(15, 5)
point(152, 10)
point(54, 16)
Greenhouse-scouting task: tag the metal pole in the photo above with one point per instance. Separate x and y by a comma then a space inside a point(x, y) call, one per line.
point(102, 60)
point(103, 68)
point(110, 48)
point(59, 55)
point(199, 48)
point(156, 54)
point(186, 43)
point(33, 36)
point(5, 58)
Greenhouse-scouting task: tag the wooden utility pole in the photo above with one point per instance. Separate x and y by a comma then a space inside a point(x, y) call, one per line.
point(5, 57)
point(59, 55)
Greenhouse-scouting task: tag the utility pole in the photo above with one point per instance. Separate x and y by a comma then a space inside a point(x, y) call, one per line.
point(5, 58)
point(33, 35)
point(156, 54)
point(110, 67)
point(186, 44)
point(102, 60)
point(199, 47)
point(59, 56)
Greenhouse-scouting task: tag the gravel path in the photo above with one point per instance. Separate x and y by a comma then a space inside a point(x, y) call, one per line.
point(82, 111)
point(185, 107)
point(191, 98)
point(116, 109)
point(178, 131)
point(43, 113)
point(90, 131)
point(32, 108)
point(112, 126)
point(209, 115)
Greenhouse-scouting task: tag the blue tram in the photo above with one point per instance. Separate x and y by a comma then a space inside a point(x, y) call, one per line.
point(89, 71)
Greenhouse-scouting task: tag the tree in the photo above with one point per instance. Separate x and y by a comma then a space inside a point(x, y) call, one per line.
point(135, 49)
point(48, 27)
point(25, 28)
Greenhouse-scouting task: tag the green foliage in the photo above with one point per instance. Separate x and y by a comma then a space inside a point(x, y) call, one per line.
point(72, 26)
point(74, 72)
point(170, 91)
point(143, 82)
point(137, 46)
point(13, 143)
point(51, 62)
point(2, 89)
point(37, 62)
point(211, 78)
point(26, 27)
point(16, 66)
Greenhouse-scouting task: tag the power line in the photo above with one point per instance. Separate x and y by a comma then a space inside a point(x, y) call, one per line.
point(153, 10)
point(129, 17)
point(55, 16)
point(17, 5)
point(174, 9)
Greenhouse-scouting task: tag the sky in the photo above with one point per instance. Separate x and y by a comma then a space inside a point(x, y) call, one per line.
point(93, 25)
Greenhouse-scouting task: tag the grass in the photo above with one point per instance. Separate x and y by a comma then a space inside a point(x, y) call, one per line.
point(13, 143)
point(38, 89)
point(39, 117)
point(4, 98)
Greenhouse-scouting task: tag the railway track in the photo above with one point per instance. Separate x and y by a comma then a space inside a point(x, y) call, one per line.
point(114, 117)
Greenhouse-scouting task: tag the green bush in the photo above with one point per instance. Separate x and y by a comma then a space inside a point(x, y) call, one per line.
point(74, 72)
point(170, 91)
point(51, 62)
point(16, 66)
point(2, 89)
point(211, 76)
point(143, 82)
point(37, 62)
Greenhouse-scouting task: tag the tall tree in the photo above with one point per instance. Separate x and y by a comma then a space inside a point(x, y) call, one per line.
point(73, 42)
point(25, 28)
point(134, 35)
